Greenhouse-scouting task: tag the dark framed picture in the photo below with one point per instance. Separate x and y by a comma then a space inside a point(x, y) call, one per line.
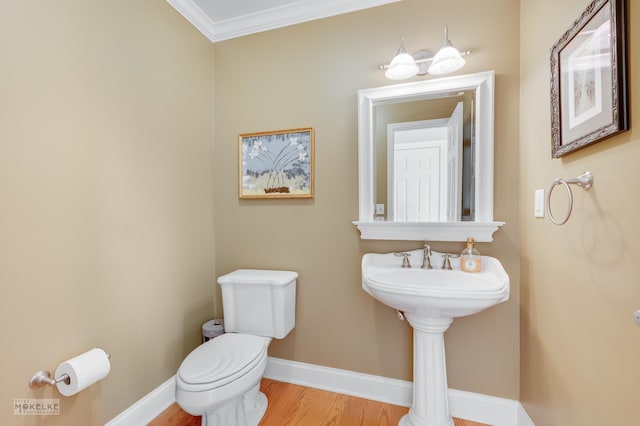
point(589, 79)
point(276, 164)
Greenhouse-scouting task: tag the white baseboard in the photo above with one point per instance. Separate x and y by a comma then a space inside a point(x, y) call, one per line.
point(390, 391)
point(523, 417)
point(464, 405)
point(149, 407)
point(483, 408)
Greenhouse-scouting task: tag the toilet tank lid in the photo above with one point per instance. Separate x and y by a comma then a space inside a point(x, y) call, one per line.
point(256, 276)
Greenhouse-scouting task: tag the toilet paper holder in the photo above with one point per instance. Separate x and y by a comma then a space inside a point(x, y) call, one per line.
point(43, 377)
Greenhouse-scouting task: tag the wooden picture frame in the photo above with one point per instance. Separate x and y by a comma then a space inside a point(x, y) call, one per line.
point(589, 100)
point(276, 164)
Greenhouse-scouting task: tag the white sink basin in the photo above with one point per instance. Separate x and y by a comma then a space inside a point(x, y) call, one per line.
point(430, 300)
point(434, 292)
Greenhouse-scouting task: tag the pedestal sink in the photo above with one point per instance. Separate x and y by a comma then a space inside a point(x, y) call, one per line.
point(430, 300)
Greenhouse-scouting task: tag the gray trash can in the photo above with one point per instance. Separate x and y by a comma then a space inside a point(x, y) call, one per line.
point(212, 329)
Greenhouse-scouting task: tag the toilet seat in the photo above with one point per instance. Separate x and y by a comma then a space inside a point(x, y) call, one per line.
point(221, 361)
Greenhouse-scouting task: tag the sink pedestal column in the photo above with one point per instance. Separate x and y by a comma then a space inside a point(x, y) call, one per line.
point(430, 405)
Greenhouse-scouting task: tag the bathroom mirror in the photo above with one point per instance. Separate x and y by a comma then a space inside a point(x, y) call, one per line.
point(425, 159)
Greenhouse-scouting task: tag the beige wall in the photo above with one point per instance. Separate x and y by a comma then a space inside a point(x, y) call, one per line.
point(105, 197)
point(309, 75)
point(580, 285)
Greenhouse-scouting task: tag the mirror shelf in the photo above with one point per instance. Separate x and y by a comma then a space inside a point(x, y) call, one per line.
point(428, 231)
point(483, 225)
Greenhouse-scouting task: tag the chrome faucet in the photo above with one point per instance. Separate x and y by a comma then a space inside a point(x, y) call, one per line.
point(426, 256)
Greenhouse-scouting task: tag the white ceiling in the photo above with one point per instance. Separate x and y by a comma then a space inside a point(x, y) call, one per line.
point(225, 19)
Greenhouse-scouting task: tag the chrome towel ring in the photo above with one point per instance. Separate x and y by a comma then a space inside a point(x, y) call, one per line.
point(584, 181)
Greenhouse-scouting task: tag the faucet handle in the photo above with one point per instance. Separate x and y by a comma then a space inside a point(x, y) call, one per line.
point(446, 260)
point(405, 259)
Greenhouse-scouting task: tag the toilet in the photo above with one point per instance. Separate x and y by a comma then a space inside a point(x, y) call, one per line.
point(220, 379)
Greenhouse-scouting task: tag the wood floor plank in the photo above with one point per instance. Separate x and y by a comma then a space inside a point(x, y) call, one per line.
point(289, 397)
point(355, 410)
point(174, 416)
point(460, 422)
point(314, 408)
point(294, 405)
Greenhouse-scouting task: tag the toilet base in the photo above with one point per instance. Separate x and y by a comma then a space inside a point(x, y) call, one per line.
point(255, 414)
point(246, 410)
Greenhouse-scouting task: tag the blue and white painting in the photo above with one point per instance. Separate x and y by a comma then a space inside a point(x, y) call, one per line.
point(277, 164)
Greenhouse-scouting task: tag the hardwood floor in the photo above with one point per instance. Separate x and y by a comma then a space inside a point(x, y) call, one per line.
point(301, 406)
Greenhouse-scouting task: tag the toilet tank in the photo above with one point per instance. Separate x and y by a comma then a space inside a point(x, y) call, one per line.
point(259, 302)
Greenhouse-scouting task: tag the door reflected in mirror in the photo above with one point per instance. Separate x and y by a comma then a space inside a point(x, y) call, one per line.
point(424, 154)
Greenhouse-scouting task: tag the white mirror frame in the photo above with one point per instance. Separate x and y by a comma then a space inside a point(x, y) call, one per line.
point(483, 227)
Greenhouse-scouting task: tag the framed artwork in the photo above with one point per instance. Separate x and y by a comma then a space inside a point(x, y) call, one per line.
point(589, 79)
point(277, 164)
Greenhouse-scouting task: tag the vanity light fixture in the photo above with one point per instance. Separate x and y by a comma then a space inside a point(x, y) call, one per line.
point(447, 60)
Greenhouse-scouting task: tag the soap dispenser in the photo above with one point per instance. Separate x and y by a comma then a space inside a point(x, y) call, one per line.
point(470, 259)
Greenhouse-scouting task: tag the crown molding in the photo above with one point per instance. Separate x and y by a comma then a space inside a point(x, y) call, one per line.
point(268, 19)
point(195, 15)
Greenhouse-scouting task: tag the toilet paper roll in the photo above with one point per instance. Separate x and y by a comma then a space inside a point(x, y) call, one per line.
point(212, 328)
point(83, 370)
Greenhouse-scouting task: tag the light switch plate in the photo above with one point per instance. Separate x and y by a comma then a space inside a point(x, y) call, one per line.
point(539, 203)
point(379, 208)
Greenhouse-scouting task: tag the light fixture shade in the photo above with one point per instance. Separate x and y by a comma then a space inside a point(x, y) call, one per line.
point(401, 67)
point(448, 59)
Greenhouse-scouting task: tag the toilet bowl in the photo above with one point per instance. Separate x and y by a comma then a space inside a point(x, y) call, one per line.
point(220, 379)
